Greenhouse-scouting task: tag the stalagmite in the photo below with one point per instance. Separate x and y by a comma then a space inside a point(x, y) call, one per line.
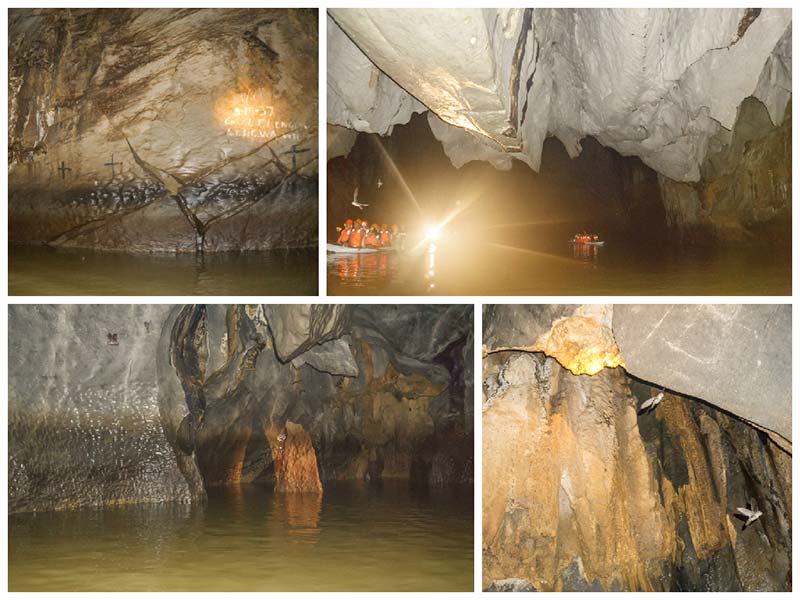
point(294, 458)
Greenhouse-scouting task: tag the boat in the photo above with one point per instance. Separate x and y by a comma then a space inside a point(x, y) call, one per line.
point(598, 243)
point(337, 249)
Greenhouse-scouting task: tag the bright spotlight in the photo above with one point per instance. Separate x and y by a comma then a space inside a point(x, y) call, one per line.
point(433, 233)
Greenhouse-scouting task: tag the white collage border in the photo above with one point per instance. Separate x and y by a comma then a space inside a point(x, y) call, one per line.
point(477, 301)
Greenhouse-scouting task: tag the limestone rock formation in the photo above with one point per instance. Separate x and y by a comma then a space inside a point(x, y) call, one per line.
point(581, 342)
point(296, 328)
point(84, 421)
point(746, 189)
point(655, 83)
point(737, 357)
point(670, 86)
point(364, 98)
point(162, 403)
point(295, 461)
point(583, 492)
point(726, 355)
point(158, 130)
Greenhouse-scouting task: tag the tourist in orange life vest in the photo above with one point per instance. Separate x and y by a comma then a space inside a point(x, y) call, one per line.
point(386, 236)
point(357, 237)
point(344, 236)
point(373, 239)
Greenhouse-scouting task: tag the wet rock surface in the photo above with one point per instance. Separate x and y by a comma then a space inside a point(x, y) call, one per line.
point(84, 421)
point(584, 491)
point(746, 187)
point(227, 406)
point(158, 130)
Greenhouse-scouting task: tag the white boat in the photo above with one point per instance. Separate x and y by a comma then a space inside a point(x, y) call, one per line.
point(587, 243)
point(337, 249)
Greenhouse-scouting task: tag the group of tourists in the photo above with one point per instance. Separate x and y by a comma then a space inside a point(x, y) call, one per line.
point(360, 234)
point(585, 238)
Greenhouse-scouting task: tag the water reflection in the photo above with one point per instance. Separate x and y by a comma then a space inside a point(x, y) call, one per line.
point(38, 270)
point(359, 268)
point(529, 263)
point(430, 274)
point(248, 539)
point(585, 252)
point(301, 513)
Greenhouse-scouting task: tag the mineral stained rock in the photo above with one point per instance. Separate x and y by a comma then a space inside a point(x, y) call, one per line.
point(581, 342)
point(581, 492)
point(116, 404)
point(84, 420)
point(746, 189)
point(724, 354)
point(294, 459)
point(146, 129)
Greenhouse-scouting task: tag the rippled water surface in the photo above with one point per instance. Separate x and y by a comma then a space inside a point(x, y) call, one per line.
point(353, 538)
point(523, 261)
point(35, 270)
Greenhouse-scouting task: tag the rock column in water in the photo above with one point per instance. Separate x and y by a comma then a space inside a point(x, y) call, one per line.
point(295, 461)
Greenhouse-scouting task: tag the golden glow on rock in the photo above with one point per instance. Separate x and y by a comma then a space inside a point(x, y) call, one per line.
point(250, 115)
point(581, 344)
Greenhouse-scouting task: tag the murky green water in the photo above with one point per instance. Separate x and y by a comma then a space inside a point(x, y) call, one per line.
point(354, 538)
point(38, 270)
point(526, 262)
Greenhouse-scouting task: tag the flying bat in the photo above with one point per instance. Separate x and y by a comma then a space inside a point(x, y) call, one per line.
point(356, 203)
point(752, 515)
point(651, 403)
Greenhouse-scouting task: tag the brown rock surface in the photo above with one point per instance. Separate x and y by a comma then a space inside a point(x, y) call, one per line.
point(581, 342)
point(294, 458)
point(583, 493)
point(129, 127)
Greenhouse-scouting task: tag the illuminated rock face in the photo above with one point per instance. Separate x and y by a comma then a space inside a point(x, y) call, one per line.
point(735, 357)
point(295, 460)
point(667, 86)
point(363, 97)
point(653, 83)
point(581, 342)
point(115, 404)
point(196, 93)
point(582, 492)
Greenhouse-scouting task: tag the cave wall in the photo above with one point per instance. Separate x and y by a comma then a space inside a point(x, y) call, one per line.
point(745, 193)
point(699, 95)
point(84, 425)
point(581, 493)
point(736, 357)
point(182, 101)
point(655, 83)
point(187, 398)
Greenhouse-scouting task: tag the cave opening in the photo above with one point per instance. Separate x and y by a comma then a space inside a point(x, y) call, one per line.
point(277, 437)
point(176, 146)
point(598, 190)
point(642, 476)
point(611, 171)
